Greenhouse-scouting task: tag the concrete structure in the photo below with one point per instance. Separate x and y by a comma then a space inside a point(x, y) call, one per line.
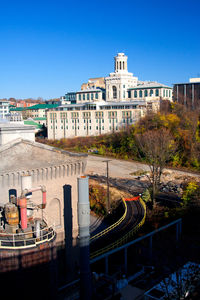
point(47, 166)
point(188, 94)
point(93, 118)
point(123, 86)
point(12, 130)
point(98, 82)
point(118, 82)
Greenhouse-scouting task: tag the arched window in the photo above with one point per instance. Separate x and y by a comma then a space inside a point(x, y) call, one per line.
point(151, 92)
point(140, 94)
point(145, 93)
point(114, 92)
point(123, 65)
point(157, 92)
point(135, 94)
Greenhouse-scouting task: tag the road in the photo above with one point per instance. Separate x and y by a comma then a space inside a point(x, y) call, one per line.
point(121, 168)
point(117, 168)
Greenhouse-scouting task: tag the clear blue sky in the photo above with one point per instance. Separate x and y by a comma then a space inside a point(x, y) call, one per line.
point(48, 48)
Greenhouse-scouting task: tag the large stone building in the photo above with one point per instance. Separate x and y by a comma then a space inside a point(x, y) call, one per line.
point(107, 104)
point(188, 94)
point(47, 166)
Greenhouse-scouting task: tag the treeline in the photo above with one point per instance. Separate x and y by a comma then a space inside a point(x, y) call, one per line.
point(184, 126)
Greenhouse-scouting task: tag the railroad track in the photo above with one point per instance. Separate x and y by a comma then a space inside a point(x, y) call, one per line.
point(119, 234)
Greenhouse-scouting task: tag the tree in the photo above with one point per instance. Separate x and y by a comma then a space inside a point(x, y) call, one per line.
point(157, 147)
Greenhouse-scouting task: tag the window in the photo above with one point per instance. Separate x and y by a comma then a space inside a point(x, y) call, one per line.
point(114, 92)
point(96, 127)
point(129, 94)
point(123, 94)
point(79, 96)
point(169, 93)
point(92, 95)
point(151, 92)
point(83, 96)
point(140, 94)
point(163, 93)
point(157, 92)
point(145, 93)
point(135, 94)
point(166, 93)
point(88, 96)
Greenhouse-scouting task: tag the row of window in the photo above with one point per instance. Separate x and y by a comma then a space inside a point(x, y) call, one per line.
point(87, 115)
point(88, 96)
point(141, 94)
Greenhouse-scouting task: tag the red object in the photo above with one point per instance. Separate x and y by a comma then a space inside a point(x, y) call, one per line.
point(23, 212)
point(132, 199)
point(44, 199)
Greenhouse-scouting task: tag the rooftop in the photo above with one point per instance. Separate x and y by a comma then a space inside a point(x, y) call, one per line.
point(42, 106)
point(149, 84)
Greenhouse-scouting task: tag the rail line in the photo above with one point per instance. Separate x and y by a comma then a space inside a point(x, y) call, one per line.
point(133, 219)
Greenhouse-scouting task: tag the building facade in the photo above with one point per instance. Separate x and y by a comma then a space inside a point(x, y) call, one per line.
point(188, 94)
point(4, 108)
point(92, 119)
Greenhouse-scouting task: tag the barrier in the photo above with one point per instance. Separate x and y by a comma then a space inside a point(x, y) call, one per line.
point(103, 232)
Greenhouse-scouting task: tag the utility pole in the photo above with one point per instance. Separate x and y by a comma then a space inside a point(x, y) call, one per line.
point(108, 194)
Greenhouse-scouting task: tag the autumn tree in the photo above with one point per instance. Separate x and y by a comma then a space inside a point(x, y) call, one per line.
point(157, 147)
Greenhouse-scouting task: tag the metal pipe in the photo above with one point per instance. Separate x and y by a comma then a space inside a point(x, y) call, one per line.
point(41, 188)
point(84, 238)
point(23, 212)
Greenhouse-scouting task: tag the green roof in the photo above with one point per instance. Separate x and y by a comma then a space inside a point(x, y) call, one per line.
point(38, 119)
point(42, 106)
point(27, 122)
point(16, 108)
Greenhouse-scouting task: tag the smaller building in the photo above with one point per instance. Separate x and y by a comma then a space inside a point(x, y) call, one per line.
point(188, 94)
point(38, 111)
point(4, 108)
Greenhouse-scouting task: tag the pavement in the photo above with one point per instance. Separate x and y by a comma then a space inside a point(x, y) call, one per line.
point(117, 168)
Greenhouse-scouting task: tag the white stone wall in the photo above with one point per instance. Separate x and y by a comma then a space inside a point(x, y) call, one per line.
point(9, 132)
point(54, 178)
point(88, 123)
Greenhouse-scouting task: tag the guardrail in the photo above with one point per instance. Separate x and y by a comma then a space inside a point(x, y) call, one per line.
point(124, 239)
point(96, 236)
point(26, 240)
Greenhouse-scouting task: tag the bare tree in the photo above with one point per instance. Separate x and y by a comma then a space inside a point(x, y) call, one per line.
point(156, 146)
